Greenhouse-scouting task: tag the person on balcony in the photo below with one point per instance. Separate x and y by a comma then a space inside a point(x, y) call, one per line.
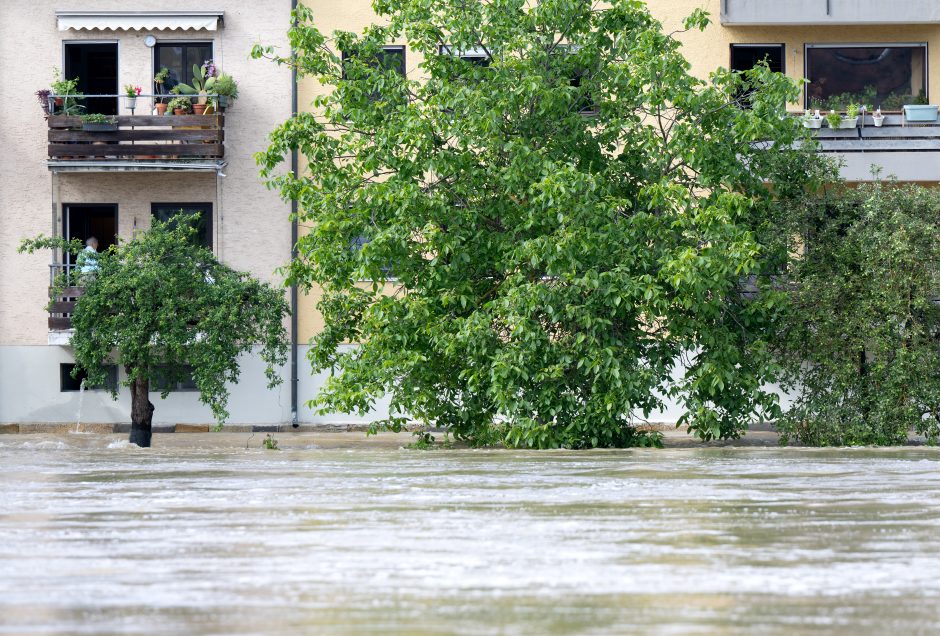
point(88, 259)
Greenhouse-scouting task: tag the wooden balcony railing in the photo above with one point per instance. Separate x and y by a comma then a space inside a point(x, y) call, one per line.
point(139, 137)
point(64, 291)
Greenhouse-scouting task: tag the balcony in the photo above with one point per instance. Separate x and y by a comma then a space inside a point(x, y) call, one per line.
point(834, 12)
point(908, 151)
point(62, 302)
point(136, 142)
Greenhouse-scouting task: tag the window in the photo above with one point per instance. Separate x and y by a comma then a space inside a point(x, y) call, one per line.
point(878, 76)
point(744, 57)
point(477, 57)
point(576, 73)
point(179, 58)
point(165, 211)
point(162, 382)
point(389, 58)
point(68, 383)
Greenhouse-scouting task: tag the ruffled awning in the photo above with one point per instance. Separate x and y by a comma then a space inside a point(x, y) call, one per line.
point(139, 20)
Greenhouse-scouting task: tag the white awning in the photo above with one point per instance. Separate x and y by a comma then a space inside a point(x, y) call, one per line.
point(139, 20)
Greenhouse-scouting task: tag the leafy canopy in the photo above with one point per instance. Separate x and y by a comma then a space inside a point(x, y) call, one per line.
point(862, 341)
point(548, 231)
point(160, 304)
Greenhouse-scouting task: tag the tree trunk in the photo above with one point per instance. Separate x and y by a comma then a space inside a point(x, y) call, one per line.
point(141, 413)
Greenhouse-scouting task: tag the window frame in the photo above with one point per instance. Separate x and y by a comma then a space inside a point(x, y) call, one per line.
point(208, 214)
point(470, 55)
point(183, 386)
point(155, 67)
point(865, 45)
point(759, 45)
point(65, 375)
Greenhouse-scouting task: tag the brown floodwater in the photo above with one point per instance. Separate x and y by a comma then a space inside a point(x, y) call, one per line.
point(194, 538)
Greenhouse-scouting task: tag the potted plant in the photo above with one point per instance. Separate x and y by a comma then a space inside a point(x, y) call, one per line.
point(65, 93)
point(43, 97)
point(96, 122)
point(849, 120)
point(878, 118)
point(812, 119)
point(159, 79)
point(920, 112)
point(180, 105)
point(226, 90)
point(130, 95)
point(203, 82)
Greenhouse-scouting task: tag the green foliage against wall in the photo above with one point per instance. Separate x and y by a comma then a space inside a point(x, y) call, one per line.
point(863, 339)
point(159, 305)
point(537, 272)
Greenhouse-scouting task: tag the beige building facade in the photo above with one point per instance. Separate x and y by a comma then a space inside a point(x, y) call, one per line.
point(874, 53)
point(49, 188)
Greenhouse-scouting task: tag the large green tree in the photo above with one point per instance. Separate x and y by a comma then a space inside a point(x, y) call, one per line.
point(161, 306)
point(555, 216)
point(862, 339)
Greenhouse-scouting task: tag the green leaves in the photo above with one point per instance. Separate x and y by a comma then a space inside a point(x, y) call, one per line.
point(538, 274)
point(159, 305)
point(861, 339)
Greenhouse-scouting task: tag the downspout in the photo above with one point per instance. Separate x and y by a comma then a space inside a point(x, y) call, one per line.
point(294, 377)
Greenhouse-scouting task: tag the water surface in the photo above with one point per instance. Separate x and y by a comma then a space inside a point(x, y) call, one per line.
point(100, 538)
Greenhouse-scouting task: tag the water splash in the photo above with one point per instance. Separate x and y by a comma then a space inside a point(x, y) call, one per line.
point(81, 400)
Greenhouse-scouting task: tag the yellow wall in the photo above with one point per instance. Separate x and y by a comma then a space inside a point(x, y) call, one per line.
point(706, 51)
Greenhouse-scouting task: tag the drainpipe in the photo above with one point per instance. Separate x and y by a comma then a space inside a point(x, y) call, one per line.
point(294, 378)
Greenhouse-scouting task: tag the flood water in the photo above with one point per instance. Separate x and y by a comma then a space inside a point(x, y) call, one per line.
point(100, 538)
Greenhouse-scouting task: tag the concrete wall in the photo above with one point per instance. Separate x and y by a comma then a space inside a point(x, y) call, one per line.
point(29, 393)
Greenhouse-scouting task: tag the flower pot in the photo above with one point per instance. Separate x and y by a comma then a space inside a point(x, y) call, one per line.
point(920, 112)
point(199, 109)
point(59, 101)
point(98, 126)
point(222, 101)
point(878, 121)
point(847, 122)
point(813, 123)
point(179, 111)
point(130, 102)
point(161, 109)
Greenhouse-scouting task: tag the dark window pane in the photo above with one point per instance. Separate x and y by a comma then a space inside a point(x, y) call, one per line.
point(165, 211)
point(179, 59)
point(68, 383)
point(744, 57)
point(885, 77)
point(162, 382)
point(95, 66)
point(389, 58)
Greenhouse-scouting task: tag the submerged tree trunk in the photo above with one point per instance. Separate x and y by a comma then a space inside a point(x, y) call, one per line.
point(141, 412)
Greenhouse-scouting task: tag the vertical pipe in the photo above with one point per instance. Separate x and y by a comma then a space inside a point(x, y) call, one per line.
point(294, 377)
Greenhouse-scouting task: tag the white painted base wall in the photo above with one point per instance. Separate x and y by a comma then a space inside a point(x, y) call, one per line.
point(29, 393)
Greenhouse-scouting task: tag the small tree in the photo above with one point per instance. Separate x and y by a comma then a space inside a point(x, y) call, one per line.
point(862, 339)
point(159, 305)
point(553, 213)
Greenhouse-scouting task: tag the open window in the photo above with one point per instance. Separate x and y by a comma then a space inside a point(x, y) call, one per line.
point(885, 76)
point(475, 56)
point(95, 64)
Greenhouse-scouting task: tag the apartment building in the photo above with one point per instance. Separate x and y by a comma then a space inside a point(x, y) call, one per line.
point(873, 53)
point(58, 179)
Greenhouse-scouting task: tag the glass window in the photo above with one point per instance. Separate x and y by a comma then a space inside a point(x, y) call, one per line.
point(744, 57)
point(474, 56)
point(179, 58)
point(68, 383)
point(389, 58)
point(165, 211)
point(885, 77)
point(162, 381)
